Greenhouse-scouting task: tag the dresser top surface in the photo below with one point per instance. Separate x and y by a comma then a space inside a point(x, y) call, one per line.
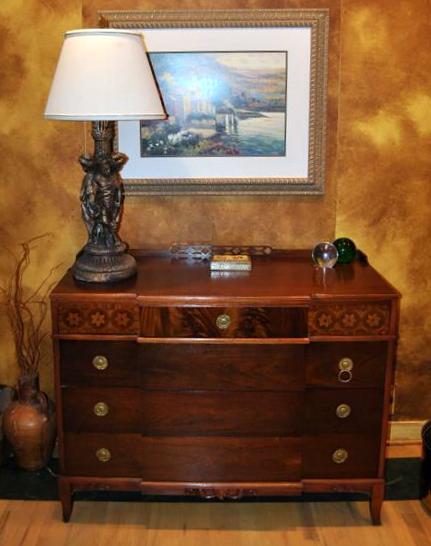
point(283, 277)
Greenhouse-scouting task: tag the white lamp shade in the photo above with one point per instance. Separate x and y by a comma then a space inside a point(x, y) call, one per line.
point(104, 74)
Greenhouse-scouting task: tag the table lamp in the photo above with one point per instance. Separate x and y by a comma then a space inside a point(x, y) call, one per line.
point(103, 75)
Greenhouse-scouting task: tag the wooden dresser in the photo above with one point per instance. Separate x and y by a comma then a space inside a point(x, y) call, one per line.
point(179, 382)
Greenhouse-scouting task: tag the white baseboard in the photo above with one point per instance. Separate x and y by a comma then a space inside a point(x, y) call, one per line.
point(405, 432)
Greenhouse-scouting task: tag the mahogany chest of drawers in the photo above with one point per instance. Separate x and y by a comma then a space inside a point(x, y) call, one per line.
point(272, 382)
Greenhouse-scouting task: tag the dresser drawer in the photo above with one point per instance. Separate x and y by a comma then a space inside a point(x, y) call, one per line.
point(102, 409)
point(220, 322)
point(183, 459)
point(337, 410)
point(181, 366)
point(362, 452)
point(81, 363)
point(102, 454)
point(346, 364)
point(228, 367)
point(183, 414)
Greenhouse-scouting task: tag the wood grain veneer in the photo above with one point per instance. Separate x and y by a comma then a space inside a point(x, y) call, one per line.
point(245, 322)
point(226, 366)
point(186, 458)
point(184, 413)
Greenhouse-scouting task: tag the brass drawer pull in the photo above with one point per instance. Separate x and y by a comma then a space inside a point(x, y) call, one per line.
point(223, 321)
point(100, 362)
point(345, 365)
point(340, 456)
point(343, 411)
point(101, 409)
point(103, 454)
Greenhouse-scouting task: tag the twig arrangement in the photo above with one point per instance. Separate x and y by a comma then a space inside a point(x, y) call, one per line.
point(27, 309)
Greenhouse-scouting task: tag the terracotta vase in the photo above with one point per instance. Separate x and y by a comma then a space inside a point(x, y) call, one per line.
point(29, 425)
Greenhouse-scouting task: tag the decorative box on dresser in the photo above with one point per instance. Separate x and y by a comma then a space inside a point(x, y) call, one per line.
point(276, 381)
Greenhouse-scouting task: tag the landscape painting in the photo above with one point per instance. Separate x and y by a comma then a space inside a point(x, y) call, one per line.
point(220, 104)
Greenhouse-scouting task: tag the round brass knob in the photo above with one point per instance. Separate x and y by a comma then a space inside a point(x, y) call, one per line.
point(101, 409)
point(340, 456)
point(343, 411)
point(223, 321)
point(103, 454)
point(345, 364)
point(100, 362)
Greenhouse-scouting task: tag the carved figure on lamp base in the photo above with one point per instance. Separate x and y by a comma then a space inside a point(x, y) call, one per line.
point(104, 257)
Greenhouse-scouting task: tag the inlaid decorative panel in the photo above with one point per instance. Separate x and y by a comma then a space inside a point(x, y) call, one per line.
point(349, 319)
point(98, 318)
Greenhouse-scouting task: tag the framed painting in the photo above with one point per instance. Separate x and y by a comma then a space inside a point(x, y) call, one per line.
point(245, 91)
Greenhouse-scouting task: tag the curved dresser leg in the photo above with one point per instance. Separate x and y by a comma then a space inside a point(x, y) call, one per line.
point(376, 501)
point(65, 492)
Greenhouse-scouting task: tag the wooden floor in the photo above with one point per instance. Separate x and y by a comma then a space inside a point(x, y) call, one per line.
point(31, 523)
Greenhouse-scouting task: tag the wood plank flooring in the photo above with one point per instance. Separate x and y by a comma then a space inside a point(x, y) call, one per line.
point(38, 523)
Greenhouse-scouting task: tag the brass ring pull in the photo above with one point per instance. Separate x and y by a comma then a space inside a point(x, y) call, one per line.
point(103, 454)
point(223, 321)
point(345, 365)
point(100, 362)
point(101, 409)
point(340, 456)
point(343, 411)
point(344, 376)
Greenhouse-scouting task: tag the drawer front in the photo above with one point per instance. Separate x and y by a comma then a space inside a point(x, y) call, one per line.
point(362, 452)
point(349, 319)
point(80, 363)
point(183, 459)
point(102, 410)
point(233, 367)
point(327, 365)
point(221, 414)
point(98, 318)
point(217, 322)
point(343, 411)
point(112, 455)
point(182, 414)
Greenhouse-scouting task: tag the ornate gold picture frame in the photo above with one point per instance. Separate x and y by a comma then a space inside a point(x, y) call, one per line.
point(257, 126)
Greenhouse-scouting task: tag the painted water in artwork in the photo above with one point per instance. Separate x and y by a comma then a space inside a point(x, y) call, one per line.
point(219, 104)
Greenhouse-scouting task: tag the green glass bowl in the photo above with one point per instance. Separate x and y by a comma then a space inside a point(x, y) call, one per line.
point(346, 250)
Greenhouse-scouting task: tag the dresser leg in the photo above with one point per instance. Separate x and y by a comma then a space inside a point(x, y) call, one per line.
point(376, 501)
point(65, 492)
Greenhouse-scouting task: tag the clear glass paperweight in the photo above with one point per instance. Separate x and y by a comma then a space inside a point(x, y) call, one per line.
point(325, 254)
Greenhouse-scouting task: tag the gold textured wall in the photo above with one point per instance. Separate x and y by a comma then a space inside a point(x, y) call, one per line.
point(384, 168)
point(379, 129)
point(38, 176)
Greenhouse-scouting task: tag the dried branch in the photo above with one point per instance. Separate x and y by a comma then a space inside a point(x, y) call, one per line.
point(27, 312)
